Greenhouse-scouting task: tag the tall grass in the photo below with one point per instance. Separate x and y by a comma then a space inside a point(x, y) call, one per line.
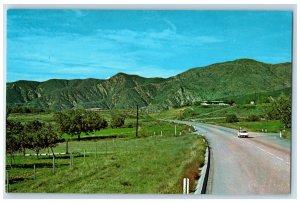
point(143, 165)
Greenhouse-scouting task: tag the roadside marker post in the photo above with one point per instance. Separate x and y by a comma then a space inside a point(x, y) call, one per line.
point(280, 134)
point(186, 185)
point(175, 130)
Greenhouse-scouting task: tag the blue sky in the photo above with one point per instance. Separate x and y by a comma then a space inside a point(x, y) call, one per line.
point(69, 44)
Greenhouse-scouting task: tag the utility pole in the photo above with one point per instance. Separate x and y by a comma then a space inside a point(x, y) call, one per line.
point(137, 121)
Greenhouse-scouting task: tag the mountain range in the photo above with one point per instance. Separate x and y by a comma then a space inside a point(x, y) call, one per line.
point(228, 80)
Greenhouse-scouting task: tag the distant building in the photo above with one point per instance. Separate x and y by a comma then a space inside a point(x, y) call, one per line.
point(207, 103)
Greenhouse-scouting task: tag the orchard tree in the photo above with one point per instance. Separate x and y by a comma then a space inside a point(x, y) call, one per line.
point(92, 121)
point(41, 136)
point(13, 141)
point(74, 122)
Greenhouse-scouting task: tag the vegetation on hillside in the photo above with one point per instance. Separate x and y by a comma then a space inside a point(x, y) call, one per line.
point(241, 81)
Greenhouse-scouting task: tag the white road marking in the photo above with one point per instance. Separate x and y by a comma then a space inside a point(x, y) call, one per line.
point(273, 155)
point(263, 150)
point(277, 157)
point(270, 153)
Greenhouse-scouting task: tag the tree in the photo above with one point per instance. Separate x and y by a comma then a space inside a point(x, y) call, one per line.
point(74, 122)
point(281, 109)
point(232, 118)
point(92, 121)
point(50, 137)
point(41, 136)
point(117, 120)
point(13, 142)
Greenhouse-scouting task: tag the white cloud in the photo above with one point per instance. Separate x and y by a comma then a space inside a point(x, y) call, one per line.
point(103, 53)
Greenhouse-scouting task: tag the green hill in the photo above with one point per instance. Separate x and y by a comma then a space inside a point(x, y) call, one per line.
point(235, 79)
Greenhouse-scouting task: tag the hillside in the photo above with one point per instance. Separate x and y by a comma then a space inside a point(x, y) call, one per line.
point(223, 80)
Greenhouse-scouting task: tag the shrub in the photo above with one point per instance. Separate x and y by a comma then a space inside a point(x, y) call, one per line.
point(231, 118)
point(117, 121)
point(253, 118)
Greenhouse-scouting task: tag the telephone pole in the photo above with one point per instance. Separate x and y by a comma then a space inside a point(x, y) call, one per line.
point(137, 121)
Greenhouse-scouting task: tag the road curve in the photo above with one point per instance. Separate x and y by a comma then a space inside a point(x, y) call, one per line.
point(259, 165)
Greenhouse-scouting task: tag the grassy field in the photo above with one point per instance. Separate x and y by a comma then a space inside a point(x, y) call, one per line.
point(26, 117)
point(256, 126)
point(119, 166)
point(108, 132)
point(216, 114)
point(271, 126)
point(212, 111)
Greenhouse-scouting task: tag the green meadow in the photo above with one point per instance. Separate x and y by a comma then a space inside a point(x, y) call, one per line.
point(114, 165)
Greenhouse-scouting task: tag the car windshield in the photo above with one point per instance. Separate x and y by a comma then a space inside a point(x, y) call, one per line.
point(243, 131)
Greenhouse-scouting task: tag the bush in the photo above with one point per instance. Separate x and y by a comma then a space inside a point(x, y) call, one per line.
point(281, 109)
point(231, 118)
point(253, 118)
point(117, 121)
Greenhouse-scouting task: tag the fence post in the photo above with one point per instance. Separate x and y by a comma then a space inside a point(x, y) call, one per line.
point(7, 181)
point(53, 164)
point(106, 148)
point(84, 155)
point(70, 160)
point(67, 147)
point(34, 172)
point(96, 151)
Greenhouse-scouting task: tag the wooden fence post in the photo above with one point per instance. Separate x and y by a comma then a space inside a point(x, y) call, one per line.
point(84, 155)
point(53, 164)
point(34, 172)
point(7, 181)
point(106, 148)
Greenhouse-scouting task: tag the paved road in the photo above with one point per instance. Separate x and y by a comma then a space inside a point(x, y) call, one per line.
point(256, 165)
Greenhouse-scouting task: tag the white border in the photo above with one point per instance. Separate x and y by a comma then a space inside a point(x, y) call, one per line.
point(210, 5)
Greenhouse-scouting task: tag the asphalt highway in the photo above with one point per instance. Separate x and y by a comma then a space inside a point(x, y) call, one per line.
point(258, 165)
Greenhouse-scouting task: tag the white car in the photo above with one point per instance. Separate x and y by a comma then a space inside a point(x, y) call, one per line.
point(243, 133)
